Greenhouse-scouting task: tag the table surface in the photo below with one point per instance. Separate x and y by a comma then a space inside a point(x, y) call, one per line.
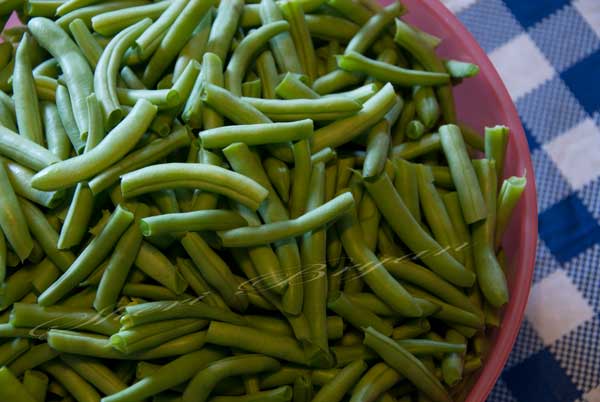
point(548, 54)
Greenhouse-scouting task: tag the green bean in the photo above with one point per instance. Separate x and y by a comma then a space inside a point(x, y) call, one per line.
point(35, 356)
point(78, 75)
point(257, 134)
point(496, 142)
point(111, 22)
point(281, 394)
point(284, 49)
point(250, 339)
point(510, 194)
point(11, 389)
point(90, 258)
point(114, 146)
point(224, 27)
point(130, 78)
point(373, 27)
point(301, 178)
point(412, 234)
point(247, 48)
point(344, 381)
point(153, 334)
point(48, 68)
point(378, 144)
point(411, 329)
point(24, 151)
point(292, 86)
point(411, 39)
point(327, 108)
point(355, 314)
point(20, 179)
point(198, 284)
point(158, 267)
point(26, 99)
point(284, 376)
point(191, 221)
point(9, 351)
point(490, 276)
point(45, 234)
point(415, 130)
point(35, 316)
point(323, 156)
point(294, 14)
point(90, 48)
point(67, 118)
point(152, 152)
point(12, 219)
point(411, 150)
point(56, 136)
point(267, 72)
point(157, 311)
point(95, 372)
point(403, 269)
point(46, 273)
point(273, 212)
point(461, 69)
point(354, 62)
point(378, 279)
point(464, 177)
point(106, 73)
point(406, 184)
point(344, 130)
point(214, 270)
point(45, 87)
point(377, 380)
point(205, 380)
point(313, 260)
point(276, 231)
point(330, 27)
point(196, 46)
point(436, 214)
point(7, 117)
point(279, 175)
point(472, 137)
point(162, 98)
point(36, 384)
point(427, 109)
point(406, 364)
point(73, 383)
point(174, 40)
point(252, 89)
point(3, 257)
point(334, 81)
point(452, 364)
point(16, 286)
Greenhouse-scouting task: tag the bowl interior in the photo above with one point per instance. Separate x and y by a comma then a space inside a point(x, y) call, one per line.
point(484, 101)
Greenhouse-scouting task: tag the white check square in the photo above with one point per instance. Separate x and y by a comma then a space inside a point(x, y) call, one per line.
point(521, 65)
point(458, 5)
point(590, 11)
point(556, 307)
point(575, 153)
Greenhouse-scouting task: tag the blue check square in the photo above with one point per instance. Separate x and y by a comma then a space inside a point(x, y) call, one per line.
point(529, 12)
point(583, 79)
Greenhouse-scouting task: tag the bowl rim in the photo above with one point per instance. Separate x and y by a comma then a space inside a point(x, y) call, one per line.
point(506, 338)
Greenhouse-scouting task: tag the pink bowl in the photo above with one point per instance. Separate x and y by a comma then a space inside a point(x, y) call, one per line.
point(484, 101)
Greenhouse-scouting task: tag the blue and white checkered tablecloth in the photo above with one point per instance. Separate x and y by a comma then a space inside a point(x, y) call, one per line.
point(548, 53)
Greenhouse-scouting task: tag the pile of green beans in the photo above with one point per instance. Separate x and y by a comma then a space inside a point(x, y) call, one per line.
point(235, 201)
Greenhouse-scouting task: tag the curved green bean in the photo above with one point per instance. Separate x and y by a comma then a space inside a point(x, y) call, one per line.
point(284, 49)
point(191, 221)
point(292, 86)
point(12, 219)
point(335, 390)
point(330, 27)
point(11, 388)
point(510, 194)
point(24, 151)
point(224, 28)
point(89, 46)
point(111, 22)
point(67, 118)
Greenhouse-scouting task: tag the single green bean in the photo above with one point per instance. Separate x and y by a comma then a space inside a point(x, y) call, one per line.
point(35, 316)
point(490, 277)
point(224, 27)
point(114, 146)
point(36, 384)
point(452, 364)
point(195, 47)
point(472, 137)
point(510, 194)
point(343, 382)
point(279, 175)
point(354, 62)
point(25, 95)
point(89, 259)
point(267, 72)
point(461, 69)
point(252, 89)
point(56, 136)
point(89, 46)
point(344, 130)
point(191, 221)
point(12, 219)
point(326, 108)
point(101, 377)
point(413, 149)
point(111, 22)
point(67, 118)
point(205, 380)
point(292, 86)
point(357, 315)
point(20, 179)
point(406, 184)
point(294, 14)
point(24, 151)
point(11, 350)
point(336, 80)
point(35, 356)
point(247, 48)
point(330, 27)
point(411, 329)
point(198, 284)
point(376, 381)
point(78, 76)
point(158, 267)
point(301, 178)
point(496, 142)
